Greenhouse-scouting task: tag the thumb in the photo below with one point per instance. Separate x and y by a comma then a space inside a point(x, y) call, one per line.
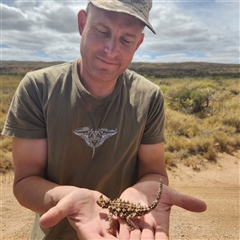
point(55, 214)
point(187, 202)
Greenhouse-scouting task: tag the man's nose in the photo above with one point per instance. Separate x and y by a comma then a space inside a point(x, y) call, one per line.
point(111, 47)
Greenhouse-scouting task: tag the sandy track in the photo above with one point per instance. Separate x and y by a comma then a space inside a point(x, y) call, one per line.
point(217, 184)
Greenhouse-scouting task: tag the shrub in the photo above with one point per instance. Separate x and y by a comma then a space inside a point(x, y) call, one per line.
point(175, 143)
point(6, 144)
point(169, 160)
point(190, 100)
point(6, 163)
point(181, 124)
point(222, 140)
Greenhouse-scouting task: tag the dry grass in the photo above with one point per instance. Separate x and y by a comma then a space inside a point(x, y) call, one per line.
point(190, 138)
point(203, 134)
point(9, 84)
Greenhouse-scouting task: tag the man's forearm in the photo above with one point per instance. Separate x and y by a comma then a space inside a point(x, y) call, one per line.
point(154, 177)
point(39, 194)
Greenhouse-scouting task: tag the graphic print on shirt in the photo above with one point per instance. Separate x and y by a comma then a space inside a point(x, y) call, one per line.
point(95, 137)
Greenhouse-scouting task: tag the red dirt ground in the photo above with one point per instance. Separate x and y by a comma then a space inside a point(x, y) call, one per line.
point(217, 184)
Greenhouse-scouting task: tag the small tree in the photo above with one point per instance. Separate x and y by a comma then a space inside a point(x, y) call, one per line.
point(190, 100)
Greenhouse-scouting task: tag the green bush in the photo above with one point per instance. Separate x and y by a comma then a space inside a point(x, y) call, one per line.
point(190, 100)
point(181, 124)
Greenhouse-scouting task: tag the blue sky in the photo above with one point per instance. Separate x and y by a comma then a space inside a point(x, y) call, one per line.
point(190, 30)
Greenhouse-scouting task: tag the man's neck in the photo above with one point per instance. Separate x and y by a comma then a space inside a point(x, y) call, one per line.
point(100, 90)
point(96, 88)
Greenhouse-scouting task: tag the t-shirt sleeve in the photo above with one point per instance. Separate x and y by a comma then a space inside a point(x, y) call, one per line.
point(25, 118)
point(154, 129)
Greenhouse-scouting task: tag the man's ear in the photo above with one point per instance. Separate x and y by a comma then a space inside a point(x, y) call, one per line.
point(140, 41)
point(82, 18)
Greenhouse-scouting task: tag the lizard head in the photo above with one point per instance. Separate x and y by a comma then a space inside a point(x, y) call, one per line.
point(104, 203)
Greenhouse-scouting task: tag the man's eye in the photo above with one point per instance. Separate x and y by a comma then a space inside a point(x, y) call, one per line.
point(103, 33)
point(125, 41)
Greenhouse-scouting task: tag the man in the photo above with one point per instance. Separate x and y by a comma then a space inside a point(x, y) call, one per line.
point(92, 127)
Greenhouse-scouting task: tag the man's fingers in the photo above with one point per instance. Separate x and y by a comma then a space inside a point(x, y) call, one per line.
point(123, 231)
point(147, 233)
point(55, 214)
point(187, 202)
point(160, 234)
point(135, 234)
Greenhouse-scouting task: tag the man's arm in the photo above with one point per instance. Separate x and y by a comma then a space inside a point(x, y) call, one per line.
point(154, 225)
point(55, 202)
point(152, 163)
point(30, 187)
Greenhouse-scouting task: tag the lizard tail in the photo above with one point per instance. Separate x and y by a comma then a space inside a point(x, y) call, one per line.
point(159, 194)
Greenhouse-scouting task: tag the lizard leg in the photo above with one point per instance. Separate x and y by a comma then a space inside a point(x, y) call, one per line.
point(110, 219)
point(130, 222)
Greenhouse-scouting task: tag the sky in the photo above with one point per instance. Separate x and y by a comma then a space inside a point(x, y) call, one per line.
point(187, 31)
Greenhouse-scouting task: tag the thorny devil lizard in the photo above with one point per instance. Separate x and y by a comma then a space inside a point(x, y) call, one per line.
point(127, 210)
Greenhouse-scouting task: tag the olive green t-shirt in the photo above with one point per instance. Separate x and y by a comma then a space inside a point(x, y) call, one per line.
point(92, 143)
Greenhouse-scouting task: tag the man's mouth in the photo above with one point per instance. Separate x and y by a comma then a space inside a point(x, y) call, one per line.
point(107, 62)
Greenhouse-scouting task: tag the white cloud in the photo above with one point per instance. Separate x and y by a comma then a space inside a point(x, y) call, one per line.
point(29, 4)
point(207, 30)
point(39, 31)
point(14, 19)
point(186, 31)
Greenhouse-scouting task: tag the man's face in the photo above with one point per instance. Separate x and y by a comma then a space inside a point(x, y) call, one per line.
point(109, 41)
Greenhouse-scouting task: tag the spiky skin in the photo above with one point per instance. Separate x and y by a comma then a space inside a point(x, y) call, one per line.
point(127, 210)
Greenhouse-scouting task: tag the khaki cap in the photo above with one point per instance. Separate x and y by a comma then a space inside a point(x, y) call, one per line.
point(137, 8)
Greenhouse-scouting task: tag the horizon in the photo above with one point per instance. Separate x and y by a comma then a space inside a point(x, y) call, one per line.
point(62, 61)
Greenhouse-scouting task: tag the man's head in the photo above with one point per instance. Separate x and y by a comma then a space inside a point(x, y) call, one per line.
point(109, 41)
point(136, 8)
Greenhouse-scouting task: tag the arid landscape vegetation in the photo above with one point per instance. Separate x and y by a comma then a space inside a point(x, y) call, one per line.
point(202, 131)
point(202, 107)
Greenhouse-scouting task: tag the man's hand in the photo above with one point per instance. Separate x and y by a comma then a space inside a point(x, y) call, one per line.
point(155, 225)
point(84, 215)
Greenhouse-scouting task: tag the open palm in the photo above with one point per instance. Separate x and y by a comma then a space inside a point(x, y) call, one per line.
point(155, 225)
point(84, 215)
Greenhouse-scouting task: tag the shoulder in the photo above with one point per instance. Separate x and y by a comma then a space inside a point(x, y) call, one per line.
point(47, 78)
point(43, 82)
point(141, 85)
point(52, 72)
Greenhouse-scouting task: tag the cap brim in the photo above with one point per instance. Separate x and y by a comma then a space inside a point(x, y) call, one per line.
point(122, 7)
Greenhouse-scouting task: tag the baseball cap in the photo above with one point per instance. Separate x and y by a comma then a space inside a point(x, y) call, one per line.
point(137, 8)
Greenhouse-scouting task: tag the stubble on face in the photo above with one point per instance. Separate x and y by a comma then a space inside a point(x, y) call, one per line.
point(108, 43)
